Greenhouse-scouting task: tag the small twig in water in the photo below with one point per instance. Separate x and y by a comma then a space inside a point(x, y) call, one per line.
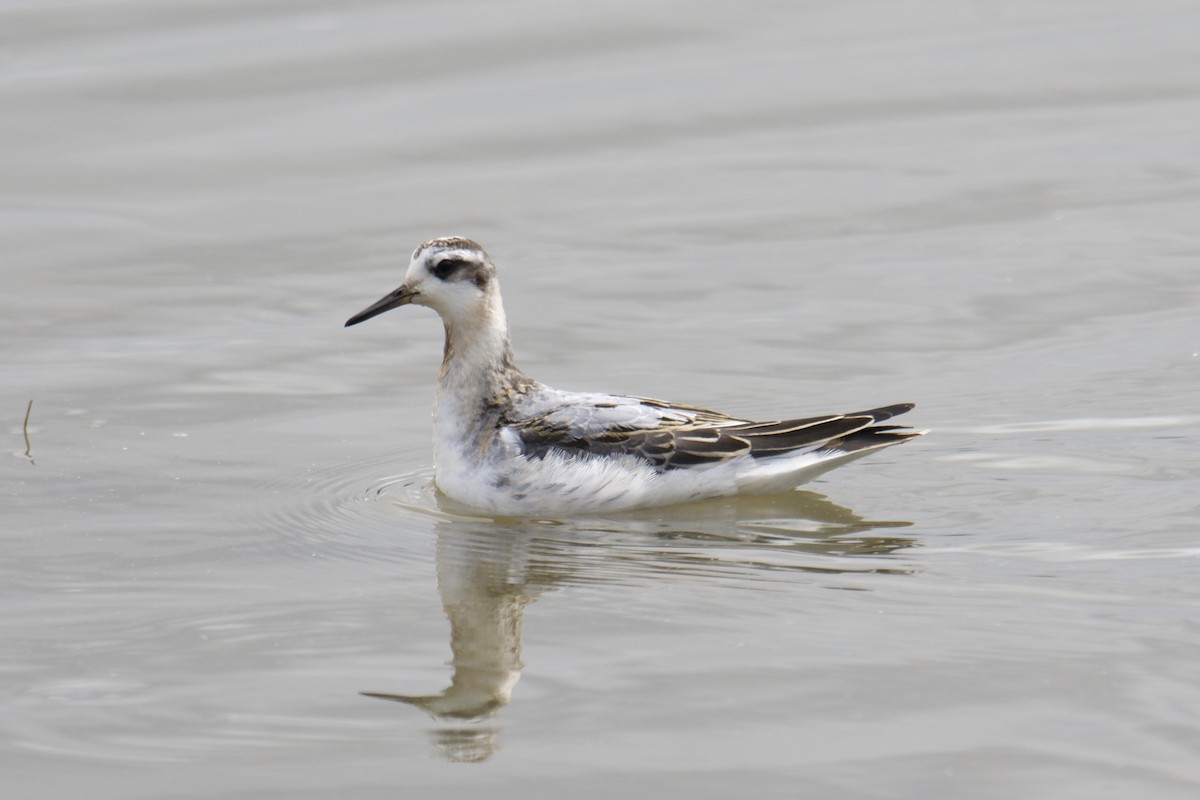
point(25, 430)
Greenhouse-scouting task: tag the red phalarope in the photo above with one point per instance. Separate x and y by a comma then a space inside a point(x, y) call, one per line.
point(508, 445)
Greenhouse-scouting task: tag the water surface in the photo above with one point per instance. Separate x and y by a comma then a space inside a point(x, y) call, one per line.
point(223, 531)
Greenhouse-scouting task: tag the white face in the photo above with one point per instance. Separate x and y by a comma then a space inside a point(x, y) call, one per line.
point(451, 276)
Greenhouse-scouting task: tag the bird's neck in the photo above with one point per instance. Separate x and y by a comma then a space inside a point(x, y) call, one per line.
point(478, 374)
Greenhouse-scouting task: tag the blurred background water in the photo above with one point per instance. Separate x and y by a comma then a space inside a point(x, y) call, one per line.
point(221, 529)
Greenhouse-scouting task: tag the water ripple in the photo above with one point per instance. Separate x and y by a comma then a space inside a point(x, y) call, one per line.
point(358, 510)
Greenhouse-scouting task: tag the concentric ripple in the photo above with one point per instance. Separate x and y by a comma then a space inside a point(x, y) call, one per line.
point(362, 511)
point(358, 510)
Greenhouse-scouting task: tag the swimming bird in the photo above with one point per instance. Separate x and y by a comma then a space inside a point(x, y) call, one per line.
point(508, 445)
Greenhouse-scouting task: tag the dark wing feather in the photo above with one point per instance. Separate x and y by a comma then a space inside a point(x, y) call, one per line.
point(812, 434)
point(885, 412)
point(700, 436)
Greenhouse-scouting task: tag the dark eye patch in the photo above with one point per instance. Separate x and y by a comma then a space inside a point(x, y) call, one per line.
point(447, 267)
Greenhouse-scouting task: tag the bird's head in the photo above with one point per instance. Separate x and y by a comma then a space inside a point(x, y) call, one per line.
point(453, 276)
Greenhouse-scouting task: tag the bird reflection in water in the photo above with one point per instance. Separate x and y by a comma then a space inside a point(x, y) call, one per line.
point(489, 570)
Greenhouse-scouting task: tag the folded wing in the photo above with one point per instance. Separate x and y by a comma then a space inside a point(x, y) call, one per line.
point(671, 436)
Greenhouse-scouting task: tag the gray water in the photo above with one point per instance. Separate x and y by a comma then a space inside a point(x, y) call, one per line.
point(221, 530)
